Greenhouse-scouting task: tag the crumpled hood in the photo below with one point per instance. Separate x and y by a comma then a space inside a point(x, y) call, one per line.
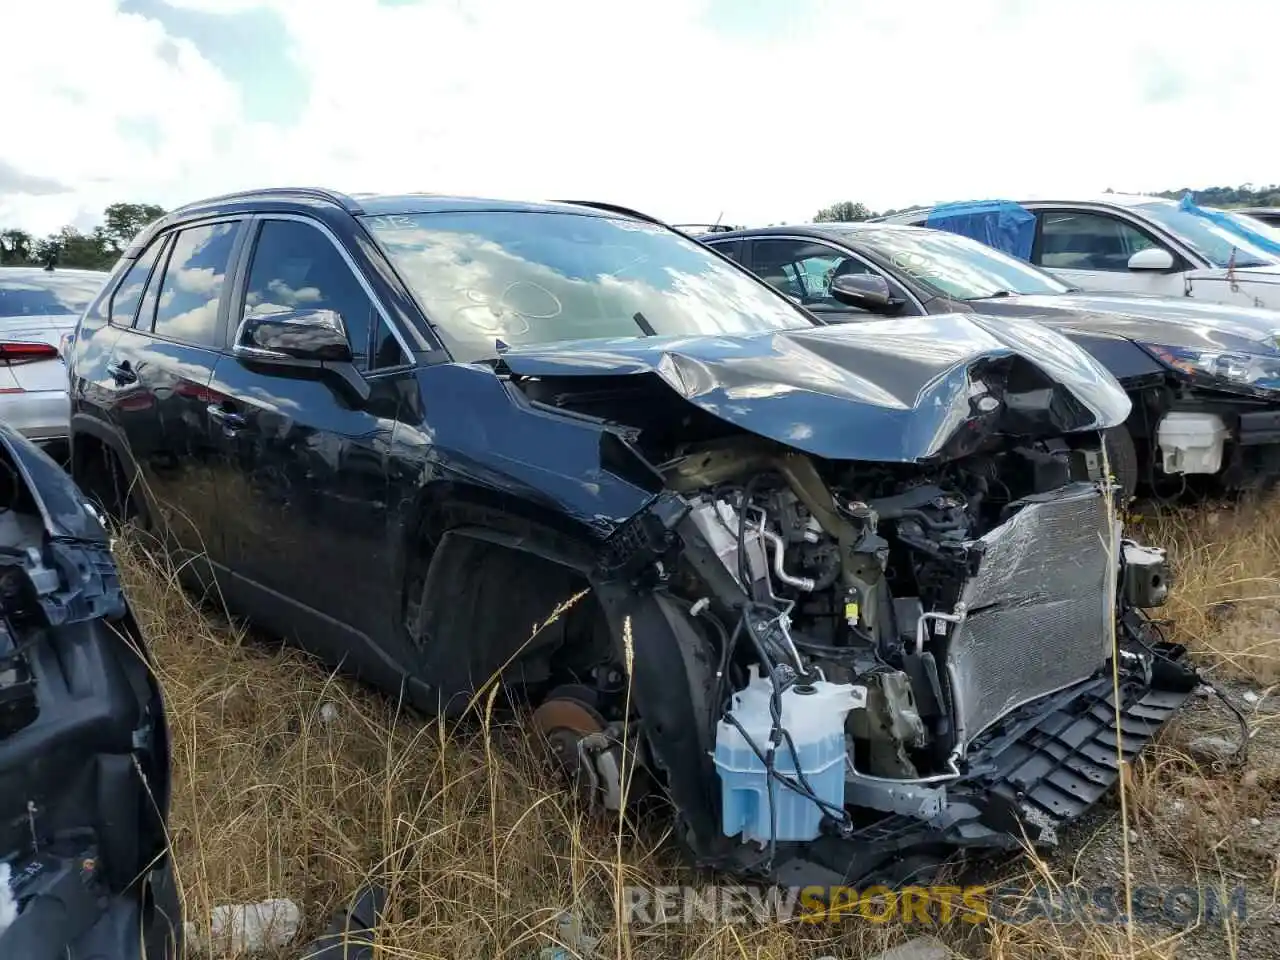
point(897, 389)
point(1172, 321)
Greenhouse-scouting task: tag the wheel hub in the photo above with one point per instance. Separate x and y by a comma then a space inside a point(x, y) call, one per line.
point(583, 746)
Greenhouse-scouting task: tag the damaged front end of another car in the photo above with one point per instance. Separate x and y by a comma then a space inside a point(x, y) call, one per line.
point(879, 608)
point(84, 753)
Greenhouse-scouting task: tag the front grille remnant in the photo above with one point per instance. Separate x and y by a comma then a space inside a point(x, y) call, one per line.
point(1037, 610)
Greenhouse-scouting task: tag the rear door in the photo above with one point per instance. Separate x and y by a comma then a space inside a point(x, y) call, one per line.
point(302, 479)
point(159, 374)
point(1090, 249)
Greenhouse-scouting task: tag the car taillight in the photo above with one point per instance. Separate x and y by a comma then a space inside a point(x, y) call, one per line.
point(13, 354)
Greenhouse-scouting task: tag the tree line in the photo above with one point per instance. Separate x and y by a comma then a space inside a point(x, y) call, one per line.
point(1246, 195)
point(96, 250)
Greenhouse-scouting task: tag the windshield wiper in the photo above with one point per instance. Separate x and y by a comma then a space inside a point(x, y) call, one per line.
point(992, 296)
point(500, 346)
point(644, 324)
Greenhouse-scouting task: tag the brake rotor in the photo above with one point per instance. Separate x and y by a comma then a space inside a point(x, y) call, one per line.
point(564, 721)
point(565, 713)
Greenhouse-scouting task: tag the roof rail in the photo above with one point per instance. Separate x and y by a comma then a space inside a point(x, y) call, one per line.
point(316, 193)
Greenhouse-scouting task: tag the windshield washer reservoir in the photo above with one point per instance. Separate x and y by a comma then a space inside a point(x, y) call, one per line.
point(813, 714)
point(1191, 442)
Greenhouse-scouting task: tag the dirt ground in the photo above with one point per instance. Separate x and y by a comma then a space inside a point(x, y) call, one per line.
point(291, 782)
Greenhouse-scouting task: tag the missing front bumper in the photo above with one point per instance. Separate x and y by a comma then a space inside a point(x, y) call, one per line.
point(1048, 765)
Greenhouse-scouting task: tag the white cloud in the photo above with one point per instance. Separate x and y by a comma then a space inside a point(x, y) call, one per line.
point(82, 70)
point(654, 105)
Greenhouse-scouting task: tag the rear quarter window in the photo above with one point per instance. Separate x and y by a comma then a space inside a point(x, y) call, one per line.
point(127, 296)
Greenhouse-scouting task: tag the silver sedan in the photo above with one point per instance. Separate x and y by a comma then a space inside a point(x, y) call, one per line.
point(39, 309)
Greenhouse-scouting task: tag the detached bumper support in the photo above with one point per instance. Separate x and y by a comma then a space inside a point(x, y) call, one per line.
point(1037, 780)
point(1067, 762)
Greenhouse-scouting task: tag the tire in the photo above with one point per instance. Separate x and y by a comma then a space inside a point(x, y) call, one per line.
point(101, 478)
point(1122, 458)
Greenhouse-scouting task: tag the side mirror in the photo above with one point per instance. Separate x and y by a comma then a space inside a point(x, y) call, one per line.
point(865, 291)
point(1152, 258)
point(305, 339)
point(315, 335)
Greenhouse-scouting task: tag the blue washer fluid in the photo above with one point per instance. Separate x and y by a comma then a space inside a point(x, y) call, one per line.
point(814, 715)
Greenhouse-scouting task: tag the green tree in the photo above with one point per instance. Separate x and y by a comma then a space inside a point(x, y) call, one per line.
point(843, 212)
point(16, 247)
point(98, 249)
point(124, 221)
point(71, 248)
point(1245, 195)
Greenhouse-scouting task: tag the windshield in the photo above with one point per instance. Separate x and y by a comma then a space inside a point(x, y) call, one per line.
point(954, 266)
point(1210, 240)
point(534, 277)
point(37, 293)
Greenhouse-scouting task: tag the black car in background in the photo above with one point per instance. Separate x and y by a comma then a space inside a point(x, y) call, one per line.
point(1268, 215)
point(1204, 377)
point(85, 870)
point(403, 429)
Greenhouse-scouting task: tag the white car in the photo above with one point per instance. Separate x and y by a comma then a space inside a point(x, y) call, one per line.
point(1140, 244)
point(39, 309)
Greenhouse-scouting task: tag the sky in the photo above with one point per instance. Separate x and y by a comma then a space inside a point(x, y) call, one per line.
point(750, 111)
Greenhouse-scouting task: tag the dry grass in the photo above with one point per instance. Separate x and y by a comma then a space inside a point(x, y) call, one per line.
point(1226, 599)
point(292, 782)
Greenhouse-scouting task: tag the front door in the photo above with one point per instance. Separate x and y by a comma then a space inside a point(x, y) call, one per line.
point(159, 375)
point(1091, 250)
point(302, 482)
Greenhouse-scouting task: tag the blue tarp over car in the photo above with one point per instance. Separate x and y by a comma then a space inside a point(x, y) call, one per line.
point(1225, 220)
point(1001, 224)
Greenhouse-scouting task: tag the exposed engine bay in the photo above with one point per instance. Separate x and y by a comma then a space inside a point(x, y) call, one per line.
point(882, 633)
point(883, 577)
point(877, 591)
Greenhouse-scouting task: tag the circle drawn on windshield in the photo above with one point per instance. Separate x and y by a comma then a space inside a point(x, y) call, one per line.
point(520, 290)
point(509, 316)
point(485, 319)
point(914, 264)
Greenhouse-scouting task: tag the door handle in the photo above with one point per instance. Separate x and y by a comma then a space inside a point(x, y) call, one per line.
point(230, 420)
point(121, 372)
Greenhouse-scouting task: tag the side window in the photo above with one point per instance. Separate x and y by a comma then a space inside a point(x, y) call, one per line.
point(1071, 240)
point(803, 268)
point(729, 248)
point(147, 312)
point(296, 267)
point(187, 305)
point(124, 302)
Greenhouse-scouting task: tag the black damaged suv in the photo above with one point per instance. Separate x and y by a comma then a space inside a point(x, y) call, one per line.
point(402, 429)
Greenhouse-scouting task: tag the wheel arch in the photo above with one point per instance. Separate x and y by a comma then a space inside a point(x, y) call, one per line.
point(480, 571)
